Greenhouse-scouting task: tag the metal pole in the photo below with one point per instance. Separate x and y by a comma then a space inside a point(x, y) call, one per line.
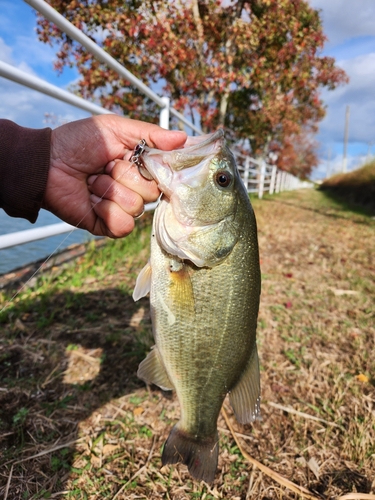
point(246, 173)
point(283, 179)
point(76, 34)
point(261, 178)
point(39, 233)
point(346, 133)
point(273, 179)
point(33, 82)
point(278, 178)
point(368, 157)
point(164, 114)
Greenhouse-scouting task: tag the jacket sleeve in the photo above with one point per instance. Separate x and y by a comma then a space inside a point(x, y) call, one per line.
point(24, 165)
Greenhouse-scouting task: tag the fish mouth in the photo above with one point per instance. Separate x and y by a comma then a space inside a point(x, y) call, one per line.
point(164, 166)
point(196, 149)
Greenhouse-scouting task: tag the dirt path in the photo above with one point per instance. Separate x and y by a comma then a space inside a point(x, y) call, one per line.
point(70, 378)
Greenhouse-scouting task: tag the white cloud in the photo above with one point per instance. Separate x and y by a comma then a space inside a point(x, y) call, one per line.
point(25, 106)
point(359, 94)
point(343, 19)
point(5, 52)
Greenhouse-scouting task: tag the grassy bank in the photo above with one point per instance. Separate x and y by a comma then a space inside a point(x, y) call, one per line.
point(357, 187)
point(77, 423)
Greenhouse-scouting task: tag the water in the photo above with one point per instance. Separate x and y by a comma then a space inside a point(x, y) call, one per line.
point(21, 255)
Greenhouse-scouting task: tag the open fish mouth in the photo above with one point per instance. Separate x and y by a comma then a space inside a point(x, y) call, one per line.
point(159, 165)
point(188, 165)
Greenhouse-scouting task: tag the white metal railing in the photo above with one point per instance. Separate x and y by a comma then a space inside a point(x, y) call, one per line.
point(258, 176)
point(16, 75)
point(38, 233)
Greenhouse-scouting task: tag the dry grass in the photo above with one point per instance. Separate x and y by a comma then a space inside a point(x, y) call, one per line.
point(76, 423)
point(357, 187)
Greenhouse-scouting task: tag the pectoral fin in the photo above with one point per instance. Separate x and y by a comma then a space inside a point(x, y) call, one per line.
point(152, 371)
point(180, 294)
point(143, 283)
point(245, 397)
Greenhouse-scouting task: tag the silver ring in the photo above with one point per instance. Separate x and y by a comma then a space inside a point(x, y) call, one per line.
point(139, 216)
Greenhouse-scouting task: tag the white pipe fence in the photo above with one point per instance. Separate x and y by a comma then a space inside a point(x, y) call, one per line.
point(38, 233)
point(258, 176)
point(35, 83)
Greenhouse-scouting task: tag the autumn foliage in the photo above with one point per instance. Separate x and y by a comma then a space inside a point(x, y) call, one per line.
point(252, 66)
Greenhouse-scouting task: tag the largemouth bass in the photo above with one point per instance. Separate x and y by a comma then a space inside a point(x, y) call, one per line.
point(204, 284)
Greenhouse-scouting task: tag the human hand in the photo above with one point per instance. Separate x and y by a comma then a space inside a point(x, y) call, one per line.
point(91, 182)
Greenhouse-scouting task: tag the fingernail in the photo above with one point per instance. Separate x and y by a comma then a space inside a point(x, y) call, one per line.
point(95, 199)
point(109, 167)
point(91, 179)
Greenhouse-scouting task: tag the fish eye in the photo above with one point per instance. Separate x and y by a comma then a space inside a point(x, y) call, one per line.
point(223, 178)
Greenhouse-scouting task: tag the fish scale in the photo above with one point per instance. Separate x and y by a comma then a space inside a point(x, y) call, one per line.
point(204, 282)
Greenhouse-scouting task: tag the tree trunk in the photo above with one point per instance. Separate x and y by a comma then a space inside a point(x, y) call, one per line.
point(223, 107)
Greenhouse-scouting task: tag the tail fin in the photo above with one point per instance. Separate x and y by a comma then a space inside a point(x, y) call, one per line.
point(200, 455)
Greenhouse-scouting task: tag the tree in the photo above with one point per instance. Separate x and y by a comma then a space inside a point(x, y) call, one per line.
point(252, 66)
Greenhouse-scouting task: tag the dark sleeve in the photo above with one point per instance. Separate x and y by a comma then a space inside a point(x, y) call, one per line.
point(24, 165)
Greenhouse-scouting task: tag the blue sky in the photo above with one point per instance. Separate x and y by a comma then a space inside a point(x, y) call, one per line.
point(349, 26)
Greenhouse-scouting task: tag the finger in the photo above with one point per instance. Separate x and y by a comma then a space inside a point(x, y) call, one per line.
point(128, 200)
point(130, 132)
point(113, 221)
point(166, 139)
point(128, 175)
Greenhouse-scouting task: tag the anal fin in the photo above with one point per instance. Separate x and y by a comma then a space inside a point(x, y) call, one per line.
point(152, 371)
point(245, 397)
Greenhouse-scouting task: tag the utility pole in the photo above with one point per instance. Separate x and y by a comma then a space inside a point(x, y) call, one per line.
point(368, 157)
point(346, 133)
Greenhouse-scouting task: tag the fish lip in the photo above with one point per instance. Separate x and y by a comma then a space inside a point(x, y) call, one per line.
point(164, 169)
point(210, 138)
point(192, 143)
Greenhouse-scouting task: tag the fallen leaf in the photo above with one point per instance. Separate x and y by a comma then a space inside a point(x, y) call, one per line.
point(110, 448)
point(362, 377)
point(19, 325)
point(138, 411)
point(95, 461)
point(314, 467)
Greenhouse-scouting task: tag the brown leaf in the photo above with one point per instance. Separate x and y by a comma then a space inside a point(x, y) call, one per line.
point(138, 411)
point(110, 448)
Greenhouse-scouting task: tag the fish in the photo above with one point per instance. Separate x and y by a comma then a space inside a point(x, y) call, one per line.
point(203, 277)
